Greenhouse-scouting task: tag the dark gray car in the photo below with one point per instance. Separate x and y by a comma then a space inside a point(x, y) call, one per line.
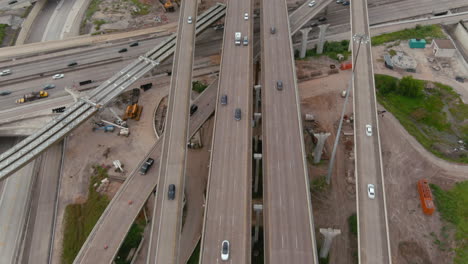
point(279, 85)
point(171, 192)
point(224, 99)
point(237, 114)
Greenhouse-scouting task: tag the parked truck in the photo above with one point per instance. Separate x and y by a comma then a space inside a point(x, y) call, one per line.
point(32, 96)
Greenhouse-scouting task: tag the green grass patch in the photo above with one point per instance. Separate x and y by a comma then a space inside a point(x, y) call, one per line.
point(330, 49)
point(319, 184)
point(92, 8)
point(198, 86)
point(352, 222)
point(422, 32)
point(132, 240)
point(453, 208)
point(141, 9)
point(423, 113)
point(81, 218)
point(98, 23)
point(195, 257)
point(3, 28)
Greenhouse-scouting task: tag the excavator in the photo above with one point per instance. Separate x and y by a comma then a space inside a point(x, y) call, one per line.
point(168, 5)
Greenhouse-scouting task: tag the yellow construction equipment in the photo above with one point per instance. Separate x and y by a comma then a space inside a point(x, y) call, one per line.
point(133, 112)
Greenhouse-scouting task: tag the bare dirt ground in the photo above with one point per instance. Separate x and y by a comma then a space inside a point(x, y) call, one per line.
point(333, 205)
point(85, 148)
point(424, 70)
point(413, 235)
point(119, 15)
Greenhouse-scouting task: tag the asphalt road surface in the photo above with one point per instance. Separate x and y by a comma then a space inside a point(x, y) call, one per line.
point(227, 214)
point(39, 231)
point(167, 220)
point(14, 202)
point(373, 236)
point(288, 223)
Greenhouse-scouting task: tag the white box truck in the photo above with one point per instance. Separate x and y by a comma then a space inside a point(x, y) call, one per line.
point(237, 38)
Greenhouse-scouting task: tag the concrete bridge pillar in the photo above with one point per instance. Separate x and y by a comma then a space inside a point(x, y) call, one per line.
point(257, 89)
point(258, 208)
point(257, 117)
point(305, 35)
point(321, 137)
point(329, 234)
point(323, 29)
point(257, 158)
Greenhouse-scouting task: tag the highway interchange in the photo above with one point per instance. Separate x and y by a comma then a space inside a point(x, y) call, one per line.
point(293, 242)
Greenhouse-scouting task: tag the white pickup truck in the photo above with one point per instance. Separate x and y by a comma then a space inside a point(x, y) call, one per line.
point(237, 38)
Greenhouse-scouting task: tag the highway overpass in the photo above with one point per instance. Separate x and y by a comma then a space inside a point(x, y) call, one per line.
point(373, 234)
point(228, 202)
point(166, 223)
point(289, 235)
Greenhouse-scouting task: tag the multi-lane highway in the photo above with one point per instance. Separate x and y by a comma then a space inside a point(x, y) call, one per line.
point(227, 213)
point(288, 223)
point(14, 202)
point(373, 237)
point(166, 223)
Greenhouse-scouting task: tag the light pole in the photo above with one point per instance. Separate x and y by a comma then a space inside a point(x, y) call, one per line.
point(360, 39)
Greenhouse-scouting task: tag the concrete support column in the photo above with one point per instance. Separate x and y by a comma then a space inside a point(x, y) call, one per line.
point(257, 89)
point(321, 137)
point(323, 29)
point(257, 158)
point(257, 117)
point(305, 35)
point(329, 234)
point(258, 208)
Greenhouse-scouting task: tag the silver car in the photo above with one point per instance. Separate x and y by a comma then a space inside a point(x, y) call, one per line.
point(371, 191)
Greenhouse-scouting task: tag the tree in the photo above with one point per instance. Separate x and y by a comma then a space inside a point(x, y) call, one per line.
point(410, 87)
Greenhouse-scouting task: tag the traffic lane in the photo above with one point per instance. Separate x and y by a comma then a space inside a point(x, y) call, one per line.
point(13, 203)
point(38, 238)
point(174, 160)
point(227, 168)
point(38, 28)
point(57, 22)
point(293, 245)
point(372, 222)
point(71, 79)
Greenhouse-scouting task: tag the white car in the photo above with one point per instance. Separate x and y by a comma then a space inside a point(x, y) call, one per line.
point(189, 20)
point(225, 250)
point(5, 72)
point(246, 16)
point(369, 130)
point(312, 3)
point(58, 76)
point(371, 191)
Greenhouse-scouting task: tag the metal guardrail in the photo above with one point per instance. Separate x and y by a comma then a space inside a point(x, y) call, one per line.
point(19, 155)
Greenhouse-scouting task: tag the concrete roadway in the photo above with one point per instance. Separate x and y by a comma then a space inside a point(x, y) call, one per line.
point(228, 205)
point(304, 14)
point(137, 188)
point(14, 201)
point(288, 220)
point(40, 221)
point(373, 238)
point(166, 223)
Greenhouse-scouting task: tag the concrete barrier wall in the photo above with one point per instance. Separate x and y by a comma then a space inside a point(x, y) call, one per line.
point(73, 23)
point(462, 36)
point(27, 23)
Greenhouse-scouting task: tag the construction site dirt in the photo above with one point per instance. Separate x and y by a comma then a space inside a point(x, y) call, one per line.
point(413, 235)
